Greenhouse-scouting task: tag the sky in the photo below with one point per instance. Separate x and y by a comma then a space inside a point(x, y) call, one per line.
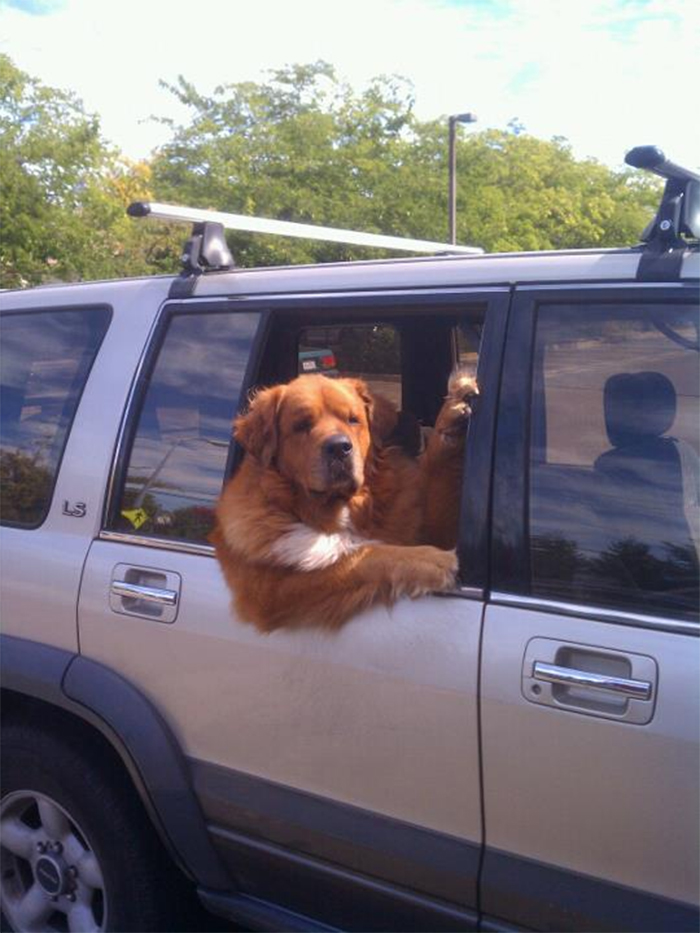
point(606, 74)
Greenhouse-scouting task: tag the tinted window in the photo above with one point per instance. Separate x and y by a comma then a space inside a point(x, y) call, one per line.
point(45, 358)
point(615, 474)
point(179, 454)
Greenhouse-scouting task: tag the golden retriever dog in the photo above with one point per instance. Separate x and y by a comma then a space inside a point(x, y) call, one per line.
point(326, 516)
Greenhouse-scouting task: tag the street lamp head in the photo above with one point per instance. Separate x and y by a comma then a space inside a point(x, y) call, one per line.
point(463, 118)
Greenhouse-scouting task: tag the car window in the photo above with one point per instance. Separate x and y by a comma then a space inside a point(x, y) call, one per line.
point(468, 336)
point(371, 352)
point(178, 458)
point(45, 358)
point(614, 472)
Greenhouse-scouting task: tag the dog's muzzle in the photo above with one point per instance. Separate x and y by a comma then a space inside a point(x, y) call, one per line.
point(339, 459)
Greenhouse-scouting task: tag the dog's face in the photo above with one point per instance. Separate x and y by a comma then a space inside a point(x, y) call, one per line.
point(314, 431)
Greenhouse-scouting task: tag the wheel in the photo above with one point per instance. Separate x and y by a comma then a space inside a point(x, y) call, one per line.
point(77, 851)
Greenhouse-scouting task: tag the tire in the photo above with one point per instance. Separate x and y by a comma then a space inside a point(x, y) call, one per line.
point(78, 850)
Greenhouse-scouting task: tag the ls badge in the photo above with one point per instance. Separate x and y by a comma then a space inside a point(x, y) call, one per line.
point(74, 509)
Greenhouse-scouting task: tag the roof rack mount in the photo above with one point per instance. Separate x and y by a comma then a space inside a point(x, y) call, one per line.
point(207, 251)
point(678, 215)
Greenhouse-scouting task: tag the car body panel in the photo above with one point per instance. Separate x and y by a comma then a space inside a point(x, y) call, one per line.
point(43, 606)
point(566, 787)
point(367, 715)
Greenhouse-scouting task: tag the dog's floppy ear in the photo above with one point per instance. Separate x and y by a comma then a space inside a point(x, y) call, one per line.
point(256, 430)
point(363, 391)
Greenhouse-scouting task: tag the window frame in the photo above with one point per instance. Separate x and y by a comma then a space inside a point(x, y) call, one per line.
point(132, 415)
point(473, 547)
point(510, 551)
point(51, 309)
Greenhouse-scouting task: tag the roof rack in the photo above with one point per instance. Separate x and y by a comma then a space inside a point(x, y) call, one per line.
point(207, 251)
point(678, 215)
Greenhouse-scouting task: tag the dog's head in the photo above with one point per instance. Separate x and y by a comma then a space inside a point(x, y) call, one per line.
point(314, 431)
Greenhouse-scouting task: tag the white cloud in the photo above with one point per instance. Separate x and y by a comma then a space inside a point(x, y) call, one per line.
point(607, 74)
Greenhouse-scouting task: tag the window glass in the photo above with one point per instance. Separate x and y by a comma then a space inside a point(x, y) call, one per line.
point(45, 358)
point(366, 351)
point(615, 473)
point(468, 342)
point(180, 451)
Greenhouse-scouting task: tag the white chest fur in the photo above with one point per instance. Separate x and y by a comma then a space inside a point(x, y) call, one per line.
point(305, 548)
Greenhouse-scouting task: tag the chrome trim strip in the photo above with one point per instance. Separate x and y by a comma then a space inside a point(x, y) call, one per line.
point(471, 592)
point(268, 298)
point(680, 284)
point(570, 677)
point(596, 613)
point(149, 594)
point(161, 544)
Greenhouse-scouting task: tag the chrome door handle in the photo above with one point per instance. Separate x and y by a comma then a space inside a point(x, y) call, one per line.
point(149, 594)
point(570, 677)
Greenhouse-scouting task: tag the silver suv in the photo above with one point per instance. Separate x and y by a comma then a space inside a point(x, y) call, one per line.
point(521, 752)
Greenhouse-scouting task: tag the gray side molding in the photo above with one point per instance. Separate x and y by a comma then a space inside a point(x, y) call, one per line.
point(137, 732)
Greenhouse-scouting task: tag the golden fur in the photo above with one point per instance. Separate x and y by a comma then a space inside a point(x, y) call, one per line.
point(325, 517)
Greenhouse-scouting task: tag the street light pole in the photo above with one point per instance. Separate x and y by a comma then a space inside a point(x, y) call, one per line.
point(452, 167)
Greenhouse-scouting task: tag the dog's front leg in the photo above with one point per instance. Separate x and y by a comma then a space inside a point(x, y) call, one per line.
point(326, 598)
point(442, 463)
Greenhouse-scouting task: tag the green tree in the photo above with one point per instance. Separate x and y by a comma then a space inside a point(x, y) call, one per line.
point(299, 146)
point(63, 192)
point(303, 146)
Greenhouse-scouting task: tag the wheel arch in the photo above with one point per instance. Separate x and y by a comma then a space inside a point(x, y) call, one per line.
point(87, 698)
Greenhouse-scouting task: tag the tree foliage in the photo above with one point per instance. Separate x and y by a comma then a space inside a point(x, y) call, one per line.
point(306, 147)
point(300, 146)
point(63, 192)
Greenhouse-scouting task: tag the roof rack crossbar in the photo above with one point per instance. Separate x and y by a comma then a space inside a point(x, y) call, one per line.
point(287, 228)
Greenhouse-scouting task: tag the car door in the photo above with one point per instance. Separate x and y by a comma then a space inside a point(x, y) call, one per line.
point(47, 355)
point(338, 773)
point(589, 691)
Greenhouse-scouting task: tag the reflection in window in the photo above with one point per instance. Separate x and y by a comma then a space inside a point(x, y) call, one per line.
point(179, 454)
point(45, 360)
point(615, 472)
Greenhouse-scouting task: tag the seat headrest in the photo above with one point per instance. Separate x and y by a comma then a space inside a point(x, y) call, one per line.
point(638, 406)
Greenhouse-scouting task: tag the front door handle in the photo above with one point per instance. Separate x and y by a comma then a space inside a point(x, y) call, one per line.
point(590, 680)
point(570, 677)
point(150, 594)
point(147, 592)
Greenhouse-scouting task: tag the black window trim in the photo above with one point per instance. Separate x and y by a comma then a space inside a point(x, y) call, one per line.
point(132, 414)
point(510, 558)
point(473, 548)
point(27, 312)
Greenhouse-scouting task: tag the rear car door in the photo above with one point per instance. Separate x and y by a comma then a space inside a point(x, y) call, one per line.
point(589, 694)
point(338, 774)
point(50, 353)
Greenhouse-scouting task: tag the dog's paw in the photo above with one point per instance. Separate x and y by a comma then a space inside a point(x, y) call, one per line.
point(427, 570)
point(452, 421)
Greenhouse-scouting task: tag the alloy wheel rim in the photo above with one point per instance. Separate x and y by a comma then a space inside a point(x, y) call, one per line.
point(50, 877)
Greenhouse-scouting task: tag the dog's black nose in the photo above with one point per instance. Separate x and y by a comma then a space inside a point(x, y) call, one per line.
point(338, 446)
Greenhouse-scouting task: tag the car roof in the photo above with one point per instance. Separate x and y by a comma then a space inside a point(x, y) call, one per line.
point(436, 272)
point(493, 269)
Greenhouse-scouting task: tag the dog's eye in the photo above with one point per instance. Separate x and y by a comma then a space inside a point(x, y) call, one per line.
point(302, 426)
point(353, 419)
